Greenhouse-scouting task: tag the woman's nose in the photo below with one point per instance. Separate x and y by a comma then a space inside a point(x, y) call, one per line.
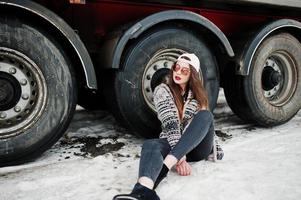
point(178, 72)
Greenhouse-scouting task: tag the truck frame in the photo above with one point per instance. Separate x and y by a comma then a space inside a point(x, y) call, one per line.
point(111, 54)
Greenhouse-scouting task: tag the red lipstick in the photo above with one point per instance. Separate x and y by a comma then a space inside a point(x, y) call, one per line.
point(177, 78)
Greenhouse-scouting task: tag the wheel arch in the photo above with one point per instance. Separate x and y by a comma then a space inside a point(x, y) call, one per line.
point(74, 48)
point(164, 17)
point(279, 26)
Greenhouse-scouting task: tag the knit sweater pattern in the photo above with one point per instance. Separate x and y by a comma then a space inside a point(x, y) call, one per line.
point(167, 112)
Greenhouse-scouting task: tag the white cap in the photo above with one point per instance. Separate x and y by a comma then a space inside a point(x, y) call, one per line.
point(191, 59)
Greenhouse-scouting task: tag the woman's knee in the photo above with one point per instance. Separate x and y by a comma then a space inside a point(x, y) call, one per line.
point(151, 144)
point(204, 115)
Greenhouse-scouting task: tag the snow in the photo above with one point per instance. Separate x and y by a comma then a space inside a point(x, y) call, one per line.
point(97, 159)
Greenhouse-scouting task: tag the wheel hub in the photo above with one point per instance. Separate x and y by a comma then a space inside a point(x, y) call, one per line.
point(22, 92)
point(279, 78)
point(10, 91)
point(271, 78)
point(276, 78)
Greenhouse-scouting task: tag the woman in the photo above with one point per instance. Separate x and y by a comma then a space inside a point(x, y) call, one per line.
point(187, 129)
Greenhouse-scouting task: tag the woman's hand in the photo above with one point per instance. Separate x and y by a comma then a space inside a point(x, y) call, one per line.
point(183, 168)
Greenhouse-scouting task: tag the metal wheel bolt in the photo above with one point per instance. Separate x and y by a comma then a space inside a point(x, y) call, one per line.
point(155, 67)
point(165, 64)
point(3, 115)
point(12, 70)
point(148, 77)
point(25, 96)
point(17, 109)
point(23, 82)
point(147, 90)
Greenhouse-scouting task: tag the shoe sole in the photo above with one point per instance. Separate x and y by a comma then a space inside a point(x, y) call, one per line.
point(124, 197)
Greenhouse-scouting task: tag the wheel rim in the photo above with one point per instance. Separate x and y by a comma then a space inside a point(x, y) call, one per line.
point(156, 70)
point(279, 78)
point(23, 94)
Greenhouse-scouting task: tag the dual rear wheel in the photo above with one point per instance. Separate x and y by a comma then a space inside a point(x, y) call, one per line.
point(271, 93)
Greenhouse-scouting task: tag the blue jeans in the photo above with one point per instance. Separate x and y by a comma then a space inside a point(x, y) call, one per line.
point(196, 143)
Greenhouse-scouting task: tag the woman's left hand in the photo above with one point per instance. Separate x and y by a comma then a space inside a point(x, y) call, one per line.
point(183, 168)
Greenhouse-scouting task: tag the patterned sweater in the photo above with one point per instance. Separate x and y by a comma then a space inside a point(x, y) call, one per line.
point(172, 126)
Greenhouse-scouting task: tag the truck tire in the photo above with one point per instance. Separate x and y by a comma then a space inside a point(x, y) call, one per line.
point(38, 91)
point(272, 90)
point(234, 93)
point(146, 63)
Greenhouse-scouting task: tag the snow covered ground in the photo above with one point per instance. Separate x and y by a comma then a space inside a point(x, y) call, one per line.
point(96, 159)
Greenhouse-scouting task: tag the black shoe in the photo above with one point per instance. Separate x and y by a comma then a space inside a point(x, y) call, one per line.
point(163, 173)
point(139, 192)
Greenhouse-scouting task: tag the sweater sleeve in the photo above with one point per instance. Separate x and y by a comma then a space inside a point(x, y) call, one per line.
point(167, 114)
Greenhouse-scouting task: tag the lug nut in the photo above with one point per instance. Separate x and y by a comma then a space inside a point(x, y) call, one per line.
point(148, 77)
point(155, 67)
point(165, 64)
point(23, 82)
point(12, 70)
point(147, 90)
point(2, 115)
point(25, 96)
point(17, 109)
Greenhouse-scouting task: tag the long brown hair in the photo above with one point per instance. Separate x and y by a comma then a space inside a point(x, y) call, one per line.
point(195, 84)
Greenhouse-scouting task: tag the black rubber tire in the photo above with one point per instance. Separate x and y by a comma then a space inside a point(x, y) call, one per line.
point(234, 93)
point(250, 103)
point(47, 54)
point(127, 101)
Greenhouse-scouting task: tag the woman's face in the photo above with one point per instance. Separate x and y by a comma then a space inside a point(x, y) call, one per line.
point(181, 73)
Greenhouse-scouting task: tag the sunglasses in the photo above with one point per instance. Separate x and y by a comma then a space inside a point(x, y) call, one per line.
point(184, 70)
